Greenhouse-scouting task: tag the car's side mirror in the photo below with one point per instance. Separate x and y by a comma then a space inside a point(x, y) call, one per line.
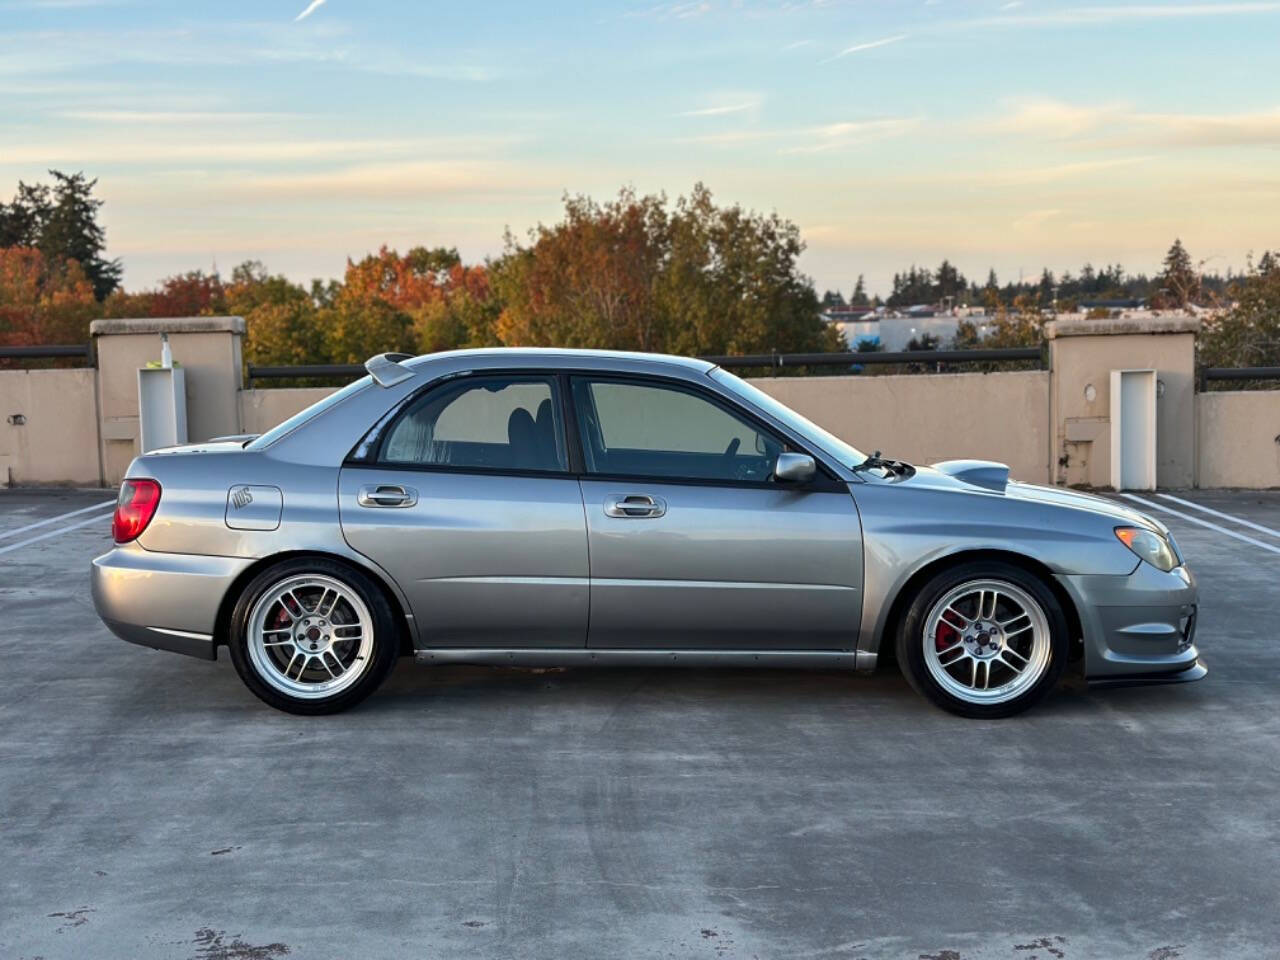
point(794, 467)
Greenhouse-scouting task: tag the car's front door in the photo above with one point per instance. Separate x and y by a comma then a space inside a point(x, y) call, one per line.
point(465, 497)
point(693, 542)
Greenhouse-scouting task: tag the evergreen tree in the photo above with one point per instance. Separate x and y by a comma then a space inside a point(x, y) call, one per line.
point(1180, 281)
point(62, 223)
point(859, 296)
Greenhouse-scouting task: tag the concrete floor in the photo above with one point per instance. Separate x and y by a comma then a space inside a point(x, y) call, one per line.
point(150, 807)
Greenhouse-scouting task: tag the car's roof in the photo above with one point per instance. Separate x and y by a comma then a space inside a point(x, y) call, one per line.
point(562, 357)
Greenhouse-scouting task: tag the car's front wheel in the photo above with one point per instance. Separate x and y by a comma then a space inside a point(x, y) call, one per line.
point(984, 639)
point(312, 636)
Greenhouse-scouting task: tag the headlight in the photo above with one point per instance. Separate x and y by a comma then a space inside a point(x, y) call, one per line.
point(1148, 545)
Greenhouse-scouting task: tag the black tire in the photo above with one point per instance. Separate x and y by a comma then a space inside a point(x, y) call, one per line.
point(380, 660)
point(911, 637)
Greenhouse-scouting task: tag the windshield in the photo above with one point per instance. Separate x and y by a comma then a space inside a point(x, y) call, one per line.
point(846, 454)
point(301, 417)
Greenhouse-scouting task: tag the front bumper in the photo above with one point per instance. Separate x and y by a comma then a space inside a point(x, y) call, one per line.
point(168, 601)
point(1140, 627)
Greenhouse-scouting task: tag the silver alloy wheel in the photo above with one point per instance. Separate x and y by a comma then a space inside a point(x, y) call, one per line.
point(310, 636)
point(986, 641)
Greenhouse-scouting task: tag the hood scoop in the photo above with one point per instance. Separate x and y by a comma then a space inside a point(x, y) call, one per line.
point(979, 473)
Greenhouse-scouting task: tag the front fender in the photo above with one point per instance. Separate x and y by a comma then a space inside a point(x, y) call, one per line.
point(908, 530)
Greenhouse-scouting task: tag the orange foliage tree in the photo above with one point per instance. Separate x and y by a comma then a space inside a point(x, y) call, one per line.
point(43, 301)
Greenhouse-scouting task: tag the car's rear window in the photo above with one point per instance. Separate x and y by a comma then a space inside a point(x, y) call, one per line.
point(302, 416)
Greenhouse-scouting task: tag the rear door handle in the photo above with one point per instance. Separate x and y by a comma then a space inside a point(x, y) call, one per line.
point(387, 495)
point(634, 506)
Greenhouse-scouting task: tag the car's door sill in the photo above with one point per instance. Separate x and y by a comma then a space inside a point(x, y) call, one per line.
point(599, 657)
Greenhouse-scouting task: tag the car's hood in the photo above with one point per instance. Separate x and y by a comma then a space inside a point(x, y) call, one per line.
point(981, 483)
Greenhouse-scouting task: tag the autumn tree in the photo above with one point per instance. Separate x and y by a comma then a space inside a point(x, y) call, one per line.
point(731, 284)
point(43, 301)
point(284, 324)
point(587, 281)
point(191, 294)
point(637, 273)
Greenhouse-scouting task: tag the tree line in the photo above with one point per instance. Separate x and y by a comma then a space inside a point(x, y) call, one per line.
point(1180, 283)
point(688, 276)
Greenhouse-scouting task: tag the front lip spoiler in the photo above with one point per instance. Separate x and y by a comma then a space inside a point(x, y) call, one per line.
point(1197, 671)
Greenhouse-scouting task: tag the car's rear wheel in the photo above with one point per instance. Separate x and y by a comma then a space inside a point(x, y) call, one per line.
point(312, 636)
point(984, 639)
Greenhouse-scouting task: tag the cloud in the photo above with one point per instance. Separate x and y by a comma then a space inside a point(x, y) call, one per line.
point(312, 7)
point(819, 139)
point(839, 136)
point(162, 147)
point(671, 11)
point(1054, 118)
point(1116, 125)
point(1115, 13)
point(171, 116)
point(722, 110)
point(869, 45)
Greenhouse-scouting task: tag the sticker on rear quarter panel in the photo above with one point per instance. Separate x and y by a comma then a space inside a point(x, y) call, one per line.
point(254, 507)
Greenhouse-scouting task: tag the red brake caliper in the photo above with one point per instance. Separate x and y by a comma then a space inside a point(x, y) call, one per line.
point(945, 636)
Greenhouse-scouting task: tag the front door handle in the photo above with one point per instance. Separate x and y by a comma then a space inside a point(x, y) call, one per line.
point(635, 506)
point(387, 495)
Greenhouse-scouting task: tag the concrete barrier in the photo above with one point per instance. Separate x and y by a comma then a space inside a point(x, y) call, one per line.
point(1239, 439)
point(927, 418)
point(260, 410)
point(81, 426)
point(49, 428)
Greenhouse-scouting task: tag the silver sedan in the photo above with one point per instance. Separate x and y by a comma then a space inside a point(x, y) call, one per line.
point(556, 507)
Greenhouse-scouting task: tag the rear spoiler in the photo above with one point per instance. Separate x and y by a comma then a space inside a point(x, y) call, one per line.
point(387, 370)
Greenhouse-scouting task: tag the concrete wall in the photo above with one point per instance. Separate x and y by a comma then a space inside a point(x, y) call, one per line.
point(260, 410)
point(927, 418)
point(1082, 354)
point(209, 350)
point(48, 428)
point(1239, 439)
point(81, 426)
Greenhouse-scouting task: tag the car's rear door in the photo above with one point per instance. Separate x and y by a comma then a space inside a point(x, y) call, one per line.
point(465, 497)
point(693, 544)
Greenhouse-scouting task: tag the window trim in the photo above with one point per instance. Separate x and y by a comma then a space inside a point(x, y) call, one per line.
point(824, 480)
point(388, 421)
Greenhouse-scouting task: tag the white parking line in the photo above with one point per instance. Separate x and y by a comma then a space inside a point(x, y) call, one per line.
point(48, 520)
point(53, 533)
point(1218, 513)
point(1204, 523)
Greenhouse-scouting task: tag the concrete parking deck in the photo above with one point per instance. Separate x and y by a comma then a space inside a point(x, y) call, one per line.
point(150, 807)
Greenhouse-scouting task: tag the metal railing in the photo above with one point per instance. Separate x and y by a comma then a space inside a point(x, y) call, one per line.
point(852, 358)
point(1210, 374)
point(776, 361)
point(47, 352)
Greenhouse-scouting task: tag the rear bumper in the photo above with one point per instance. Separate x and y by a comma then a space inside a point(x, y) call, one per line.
point(1138, 628)
point(167, 601)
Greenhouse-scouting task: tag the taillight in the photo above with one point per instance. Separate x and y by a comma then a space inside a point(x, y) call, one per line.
point(134, 510)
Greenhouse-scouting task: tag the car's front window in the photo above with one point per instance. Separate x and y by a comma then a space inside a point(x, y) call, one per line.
point(639, 429)
point(845, 453)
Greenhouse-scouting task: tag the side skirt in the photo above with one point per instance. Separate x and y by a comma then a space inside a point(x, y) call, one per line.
point(583, 657)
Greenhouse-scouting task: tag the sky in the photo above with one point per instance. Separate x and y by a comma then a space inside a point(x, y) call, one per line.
point(1005, 134)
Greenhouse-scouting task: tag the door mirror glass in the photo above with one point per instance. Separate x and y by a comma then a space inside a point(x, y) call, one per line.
point(794, 467)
